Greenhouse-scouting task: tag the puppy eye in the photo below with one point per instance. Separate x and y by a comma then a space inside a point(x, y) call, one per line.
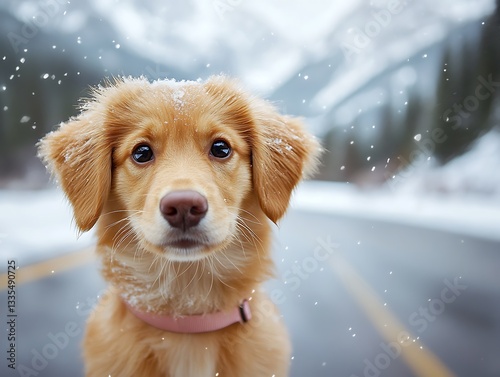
point(220, 149)
point(142, 154)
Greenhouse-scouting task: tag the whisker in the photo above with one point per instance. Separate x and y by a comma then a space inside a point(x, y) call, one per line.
point(165, 265)
point(122, 210)
point(194, 275)
point(187, 268)
point(125, 219)
point(249, 235)
point(218, 274)
point(210, 262)
point(124, 233)
point(238, 210)
point(230, 261)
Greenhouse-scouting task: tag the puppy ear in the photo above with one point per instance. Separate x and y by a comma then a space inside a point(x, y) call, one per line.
point(80, 157)
point(283, 153)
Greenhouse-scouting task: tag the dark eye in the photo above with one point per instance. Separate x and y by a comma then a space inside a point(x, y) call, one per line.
point(142, 154)
point(220, 149)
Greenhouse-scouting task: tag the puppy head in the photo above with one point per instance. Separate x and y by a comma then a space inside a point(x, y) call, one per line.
point(172, 164)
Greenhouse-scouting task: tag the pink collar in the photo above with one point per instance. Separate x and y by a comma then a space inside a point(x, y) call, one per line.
point(195, 323)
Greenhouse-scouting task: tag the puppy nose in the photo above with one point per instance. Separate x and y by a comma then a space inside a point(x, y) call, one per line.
point(183, 209)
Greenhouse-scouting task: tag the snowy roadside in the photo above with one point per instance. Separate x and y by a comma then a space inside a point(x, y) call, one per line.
point(36, 225)
point(471, 215)
point(462, 196)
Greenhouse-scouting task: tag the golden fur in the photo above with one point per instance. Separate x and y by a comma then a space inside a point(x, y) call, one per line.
point(91, 157)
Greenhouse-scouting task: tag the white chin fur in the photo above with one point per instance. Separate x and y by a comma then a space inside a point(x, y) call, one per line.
point(185, 255)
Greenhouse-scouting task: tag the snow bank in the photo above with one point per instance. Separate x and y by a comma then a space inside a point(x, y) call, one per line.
point(468, 216)
point(473, 174)
point(36, 225)
point(462, 196)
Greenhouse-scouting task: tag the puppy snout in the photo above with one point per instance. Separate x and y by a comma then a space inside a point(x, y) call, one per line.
point(183, 209)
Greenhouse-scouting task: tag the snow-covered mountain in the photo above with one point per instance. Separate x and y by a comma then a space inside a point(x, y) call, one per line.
point(367, 75)
point(266, 44)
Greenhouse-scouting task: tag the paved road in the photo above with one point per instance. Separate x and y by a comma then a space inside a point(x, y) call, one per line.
point(361, 298)
point(403, 268)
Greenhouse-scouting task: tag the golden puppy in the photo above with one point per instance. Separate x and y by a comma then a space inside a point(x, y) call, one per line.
point(182, 179)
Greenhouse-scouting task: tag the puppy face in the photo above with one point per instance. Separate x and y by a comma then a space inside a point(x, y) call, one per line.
point(181, 173)
point(175, 166)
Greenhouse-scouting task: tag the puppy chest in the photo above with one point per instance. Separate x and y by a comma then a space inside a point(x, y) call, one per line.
point(186, 355)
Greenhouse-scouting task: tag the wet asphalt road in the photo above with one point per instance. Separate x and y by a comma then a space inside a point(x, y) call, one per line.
point(348, 282)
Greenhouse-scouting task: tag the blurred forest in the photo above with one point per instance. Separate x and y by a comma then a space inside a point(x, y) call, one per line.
point(427, 102)
point(442, 109)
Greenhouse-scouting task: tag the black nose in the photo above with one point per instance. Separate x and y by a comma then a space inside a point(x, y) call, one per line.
point(183, 209)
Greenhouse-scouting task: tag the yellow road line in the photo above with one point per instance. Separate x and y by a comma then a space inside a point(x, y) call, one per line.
point(421, 361)
point(48, 267)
